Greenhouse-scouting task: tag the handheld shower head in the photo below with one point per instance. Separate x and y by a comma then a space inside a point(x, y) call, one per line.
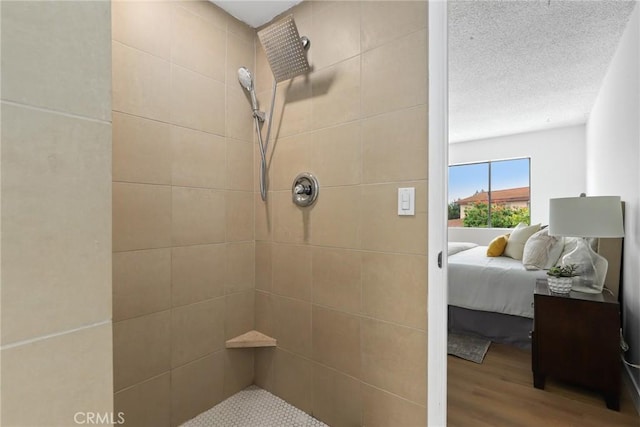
point(246, 80)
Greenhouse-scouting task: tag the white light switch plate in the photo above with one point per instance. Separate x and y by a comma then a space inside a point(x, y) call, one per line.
point(407, 201)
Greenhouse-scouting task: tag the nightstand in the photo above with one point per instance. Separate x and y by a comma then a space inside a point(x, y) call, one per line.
point(576, 338)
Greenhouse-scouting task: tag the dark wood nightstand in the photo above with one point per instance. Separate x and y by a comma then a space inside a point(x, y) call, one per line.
point(576, 338)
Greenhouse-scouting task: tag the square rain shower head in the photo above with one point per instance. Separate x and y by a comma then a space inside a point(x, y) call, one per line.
point(284, 49)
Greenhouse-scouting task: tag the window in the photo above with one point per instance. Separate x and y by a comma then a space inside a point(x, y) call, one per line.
point(489, 194)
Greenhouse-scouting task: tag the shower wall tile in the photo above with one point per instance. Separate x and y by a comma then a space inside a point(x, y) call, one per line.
point(336, 94)
point(405, 305)
point(263, 266)
point(199, 159)
point(141, 83)
point(241, 30)
point(239, 313)
point(265, 317)
point(196, 387)
point(399, 135)
point(382, 409)
point(56, 223)
point(55, 56)
point(264, 215)
point(147, 403)
point(291, 156)
point(197, 273)
point(141, 216)
point(203, 8)
point(399, 368)
point(238, 370)
point(239, 121)
point(240, 216)
point(291, 271)
point(292, 379)
point(196, 330)
point(197, 102)
point(406, 16)
point(394, 75)
point(336, 340)
point(240, 53)
point(141, 348)
point(143, 25)
point(141, 282)
point(337, 155)
point(198, 216)
point(293, 101)
point(335, 220)
point(290, 223)
point(337, 278)
point(338, 28)
point(292, 324)
point(240, 267)
point(239, 165)
point(198, 45)
point(337, 399)
point(141, 150)
point(263, 368)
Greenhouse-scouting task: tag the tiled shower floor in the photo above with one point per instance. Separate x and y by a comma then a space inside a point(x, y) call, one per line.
point(254, 407)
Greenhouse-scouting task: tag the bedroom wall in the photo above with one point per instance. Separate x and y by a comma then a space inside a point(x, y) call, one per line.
point(613, 156)
point(552, 175)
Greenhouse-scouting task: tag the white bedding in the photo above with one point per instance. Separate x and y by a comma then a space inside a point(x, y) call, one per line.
point(498, 284)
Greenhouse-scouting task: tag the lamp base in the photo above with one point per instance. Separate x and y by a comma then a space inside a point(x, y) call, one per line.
point(592, 268)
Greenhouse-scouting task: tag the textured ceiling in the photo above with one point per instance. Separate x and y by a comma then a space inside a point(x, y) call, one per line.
point(255, 12)
point(519, 66)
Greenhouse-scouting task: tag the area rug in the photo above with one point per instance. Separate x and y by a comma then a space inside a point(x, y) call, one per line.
point(468, 348)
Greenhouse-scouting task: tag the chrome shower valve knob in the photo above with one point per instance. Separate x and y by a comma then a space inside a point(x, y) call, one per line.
point(305, 189)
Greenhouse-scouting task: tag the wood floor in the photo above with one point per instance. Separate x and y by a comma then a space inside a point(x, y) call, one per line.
point(500, 392)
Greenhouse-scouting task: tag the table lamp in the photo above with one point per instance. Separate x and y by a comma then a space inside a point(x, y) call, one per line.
point(583, 217)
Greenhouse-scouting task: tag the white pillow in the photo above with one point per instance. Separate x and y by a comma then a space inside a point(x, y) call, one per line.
point(455, 247)
point(519, 236)
point(542, 251)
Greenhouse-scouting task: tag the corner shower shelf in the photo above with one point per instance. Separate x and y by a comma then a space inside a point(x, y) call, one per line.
point(251, 339)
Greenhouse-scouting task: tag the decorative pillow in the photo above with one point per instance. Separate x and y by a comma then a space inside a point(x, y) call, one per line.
point(519, 236)
point(455, 247)
point(497, 245)
point(542, 251)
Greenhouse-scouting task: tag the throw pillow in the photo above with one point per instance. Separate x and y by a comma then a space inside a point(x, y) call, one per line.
point(542, 251)
point(519, 236)
point(497, 245)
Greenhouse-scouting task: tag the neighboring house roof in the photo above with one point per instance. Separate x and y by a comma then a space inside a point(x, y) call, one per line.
point(520, 194)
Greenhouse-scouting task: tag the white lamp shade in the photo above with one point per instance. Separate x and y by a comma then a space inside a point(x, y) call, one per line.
point(599, 216)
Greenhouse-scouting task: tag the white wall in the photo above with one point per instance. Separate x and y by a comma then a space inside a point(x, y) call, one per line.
point(613, 157)
point(557, 162)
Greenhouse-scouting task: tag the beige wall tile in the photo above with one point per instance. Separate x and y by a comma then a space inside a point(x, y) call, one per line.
point(56, 223)
point(196, 330)
point(141, 150)
point(381, 409)
point(401, 136)
point(239, 313)
point(143, 25)
point(141, 216)
point(238, 370)
point(293, 379)
point(336, 398)
point(335, 220)
point(292, 108)
point(405, 16)
point(146, 404)
point(264, 215)
point(141, 83)
point(382, 90)
point(383, 229)
point(198, 45)
point(336, 340)
point(239, 119)
point(264, 367)
point(265, 320)
point(141, 348)
point(239, 165)
point(198, 216)
point(199, 159)
point(240, 29)
point(77, 365)
point(240, 219)
point(292, 323)
point(290, 157)
point(240, 53)
point(264, 76)
point(337, 155)
point(338, 28)
point(64, 67)
point(141, 282)
point(240, 267)
point(291, 271)
point(197, 273)
point(197, 102)
point(394, 288)
point(291, 224)
point(400, 368)
point(336, 94)
point(336, 278)
point(196, 387)
point(263, 266)
point(207, 10)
